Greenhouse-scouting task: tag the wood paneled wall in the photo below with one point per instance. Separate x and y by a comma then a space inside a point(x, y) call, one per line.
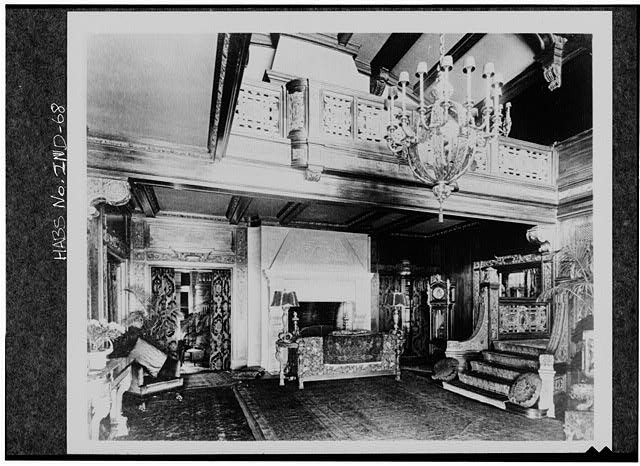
point(453, 255)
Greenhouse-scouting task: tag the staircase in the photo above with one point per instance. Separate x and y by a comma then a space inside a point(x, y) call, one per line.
point(488, 380)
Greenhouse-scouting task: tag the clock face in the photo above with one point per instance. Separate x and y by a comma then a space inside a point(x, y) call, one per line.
point(438, 293)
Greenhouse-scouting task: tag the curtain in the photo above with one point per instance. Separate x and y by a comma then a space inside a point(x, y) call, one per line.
point(163, 283)
point(220, 331)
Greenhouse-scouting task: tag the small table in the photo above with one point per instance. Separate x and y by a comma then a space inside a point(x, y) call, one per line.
point(282, 355)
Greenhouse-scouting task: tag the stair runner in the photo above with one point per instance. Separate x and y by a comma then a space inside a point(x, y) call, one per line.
point(490, 378)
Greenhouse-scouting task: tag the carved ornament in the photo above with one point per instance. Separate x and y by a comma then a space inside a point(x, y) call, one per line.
point(113, 192)
point(542, 236)
point(551, 61)
point(313, 173)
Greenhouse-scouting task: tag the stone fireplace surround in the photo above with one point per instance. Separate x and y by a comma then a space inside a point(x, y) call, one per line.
point(320, 266)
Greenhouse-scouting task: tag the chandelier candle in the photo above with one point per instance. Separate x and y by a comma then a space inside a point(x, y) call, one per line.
point(441, 142)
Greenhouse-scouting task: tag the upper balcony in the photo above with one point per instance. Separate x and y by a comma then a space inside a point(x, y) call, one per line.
point(327, 130)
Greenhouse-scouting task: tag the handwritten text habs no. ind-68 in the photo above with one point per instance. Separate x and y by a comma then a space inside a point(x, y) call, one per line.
point(59, 162)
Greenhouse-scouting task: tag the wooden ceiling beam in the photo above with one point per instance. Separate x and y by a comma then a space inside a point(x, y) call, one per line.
point(232, 53)
point(404, 222)
point(290, 212)
point(363, 221)
point(146, 198)
point(237, 208)
point(344, 38)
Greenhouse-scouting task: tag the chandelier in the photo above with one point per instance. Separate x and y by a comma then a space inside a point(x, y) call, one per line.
point(439, 141)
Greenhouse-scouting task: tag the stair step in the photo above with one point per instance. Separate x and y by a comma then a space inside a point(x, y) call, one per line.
point(518, 348)
point(495, 369)
point(519, 361)
point(475, 393)
point(485, 382)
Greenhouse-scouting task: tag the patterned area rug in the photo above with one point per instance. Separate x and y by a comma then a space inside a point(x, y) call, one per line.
point(381, 409)
point(207, 379)
point(206, 414)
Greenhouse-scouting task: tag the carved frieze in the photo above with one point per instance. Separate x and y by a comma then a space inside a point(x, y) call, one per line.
point(185, 256)
point(113, 192)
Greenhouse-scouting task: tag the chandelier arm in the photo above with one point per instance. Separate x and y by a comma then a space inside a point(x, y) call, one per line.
point(419, 170)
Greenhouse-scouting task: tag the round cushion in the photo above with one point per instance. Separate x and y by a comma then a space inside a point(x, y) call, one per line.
point(446, 369)
point(525, 390)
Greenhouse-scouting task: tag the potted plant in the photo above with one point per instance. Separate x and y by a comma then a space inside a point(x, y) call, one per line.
point(574, 283)
point(100, 337)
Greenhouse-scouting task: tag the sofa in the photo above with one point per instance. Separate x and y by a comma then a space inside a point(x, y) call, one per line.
point(347, 354)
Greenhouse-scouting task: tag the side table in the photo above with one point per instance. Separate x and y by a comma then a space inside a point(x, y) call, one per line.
point(282, 355)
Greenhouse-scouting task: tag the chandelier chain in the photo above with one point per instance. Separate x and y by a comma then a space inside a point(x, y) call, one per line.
point(441, 47)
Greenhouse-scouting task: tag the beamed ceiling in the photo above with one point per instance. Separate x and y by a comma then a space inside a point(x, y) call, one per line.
point(163, 91)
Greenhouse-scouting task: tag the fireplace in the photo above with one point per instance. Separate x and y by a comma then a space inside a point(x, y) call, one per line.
point(329, 271)
point(310, 313)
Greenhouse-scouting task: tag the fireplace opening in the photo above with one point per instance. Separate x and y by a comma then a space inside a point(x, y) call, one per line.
point(315, 314)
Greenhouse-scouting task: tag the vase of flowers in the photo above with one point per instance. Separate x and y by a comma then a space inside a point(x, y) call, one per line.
point(100, 336)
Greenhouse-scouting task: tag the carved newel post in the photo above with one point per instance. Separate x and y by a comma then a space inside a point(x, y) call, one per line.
point(546, 373)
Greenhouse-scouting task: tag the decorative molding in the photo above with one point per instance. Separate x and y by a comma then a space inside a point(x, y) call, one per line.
point(113, 192)
point(187, 256)
point(231, 56)
point(508, 260)
point(289, 212)
point(145, 146)
point(237, 208)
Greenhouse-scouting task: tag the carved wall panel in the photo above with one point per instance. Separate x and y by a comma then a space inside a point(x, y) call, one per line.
point(371, 121)
point(523, 163)
point(296, 111)
point(517, 318)
point(258, 110)
point(337, 114)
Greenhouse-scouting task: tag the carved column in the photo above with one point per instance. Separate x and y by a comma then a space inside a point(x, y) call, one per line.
point(547, 373)
point(113, 192)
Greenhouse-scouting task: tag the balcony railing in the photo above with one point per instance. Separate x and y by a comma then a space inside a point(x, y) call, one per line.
point(320, 118)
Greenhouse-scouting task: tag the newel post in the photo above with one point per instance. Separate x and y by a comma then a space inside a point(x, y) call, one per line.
point(546, 373)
